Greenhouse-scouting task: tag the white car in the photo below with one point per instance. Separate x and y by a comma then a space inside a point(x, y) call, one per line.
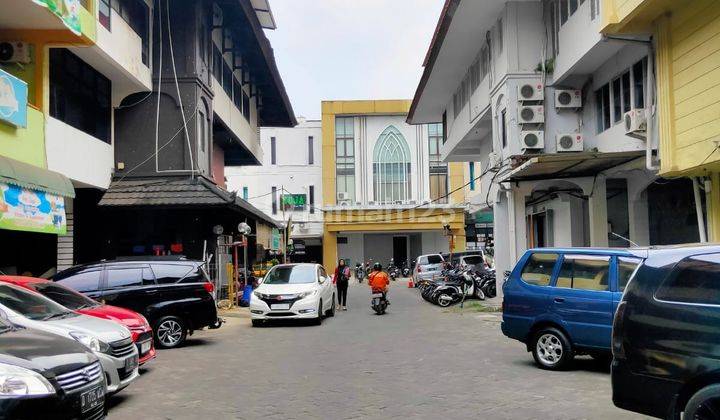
point(110, 341)
point(293, 291)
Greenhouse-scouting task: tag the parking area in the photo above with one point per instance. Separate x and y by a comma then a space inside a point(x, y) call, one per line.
point(416, 361)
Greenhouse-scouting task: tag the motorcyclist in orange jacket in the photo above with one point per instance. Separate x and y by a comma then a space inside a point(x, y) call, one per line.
point(378, 279)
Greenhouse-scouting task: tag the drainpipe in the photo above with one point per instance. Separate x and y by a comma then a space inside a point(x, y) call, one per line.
point(699, 210)
point(649, 108)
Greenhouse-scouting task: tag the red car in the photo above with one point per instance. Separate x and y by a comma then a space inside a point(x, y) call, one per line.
point(136, 323)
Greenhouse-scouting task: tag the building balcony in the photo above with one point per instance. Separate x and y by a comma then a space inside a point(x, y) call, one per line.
point(235, 123)
point(470, 134)
point(25, 144)
point(52, 17)
point(85, 159)
point(582, 48)
point(118, 53)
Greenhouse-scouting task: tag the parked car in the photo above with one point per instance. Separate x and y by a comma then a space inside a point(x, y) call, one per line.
point(666, 335)
point(43, 374)
point(475, 260)
point(110, 341)
point(137, 324)
point(175, 295)
point(560, 302)
point(427, 267)
point(293, 291)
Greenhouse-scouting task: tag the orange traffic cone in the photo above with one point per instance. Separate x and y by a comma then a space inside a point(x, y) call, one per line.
point(410, 283)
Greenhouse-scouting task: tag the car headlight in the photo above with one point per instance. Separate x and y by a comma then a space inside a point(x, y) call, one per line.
point(18, 381)
point(307, 294)
point(90, 342)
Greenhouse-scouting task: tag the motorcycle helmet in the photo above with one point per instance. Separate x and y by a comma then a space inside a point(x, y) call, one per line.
point(377, 267)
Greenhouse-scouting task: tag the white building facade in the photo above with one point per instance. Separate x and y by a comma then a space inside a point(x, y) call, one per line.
point(556, 122)
point(288, 184)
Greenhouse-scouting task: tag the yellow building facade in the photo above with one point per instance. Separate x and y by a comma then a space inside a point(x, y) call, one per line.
point(364, 214)
point(686, 37)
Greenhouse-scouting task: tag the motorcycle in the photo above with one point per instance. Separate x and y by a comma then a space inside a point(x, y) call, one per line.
point(406, 269)
point(359, 272)
point(485, 284)
point(392, 270)
point(379, 302)
point(457, 286)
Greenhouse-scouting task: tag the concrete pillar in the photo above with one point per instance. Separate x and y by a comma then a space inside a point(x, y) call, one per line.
point(501, 237)
point(517, 213)
point(329, 250)
point(597, 213)
point(714, 208)
point(639, 219)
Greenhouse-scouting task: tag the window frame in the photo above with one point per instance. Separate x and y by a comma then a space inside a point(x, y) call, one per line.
point(573, 257)
point(631, 94)
point(553, 271)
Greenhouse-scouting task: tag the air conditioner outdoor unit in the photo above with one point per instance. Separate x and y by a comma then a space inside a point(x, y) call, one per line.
point(636, 123)
point(343, 196)
point(568, 98)
point(532, 139)
point(14, 52)
point(570, 142)
point(531, 92)
point(531, 114)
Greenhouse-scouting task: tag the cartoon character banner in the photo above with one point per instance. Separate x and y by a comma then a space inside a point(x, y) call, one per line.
point(30, 210)
point(67, 10)
point(13, 100)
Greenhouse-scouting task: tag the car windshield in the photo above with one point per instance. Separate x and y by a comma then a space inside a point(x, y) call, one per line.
point(434, 259)
point(5, 326)
point(31, 305)
point(297, 274)
point(473, 260)
point(64, 296)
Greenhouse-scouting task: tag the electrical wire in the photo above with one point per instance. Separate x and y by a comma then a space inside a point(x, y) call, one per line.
point(177, 87)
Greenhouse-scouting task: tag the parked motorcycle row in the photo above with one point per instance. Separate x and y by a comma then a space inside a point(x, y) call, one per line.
point(63, 352)
point(455, 284)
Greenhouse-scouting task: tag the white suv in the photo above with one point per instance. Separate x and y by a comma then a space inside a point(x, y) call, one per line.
point(110, 341)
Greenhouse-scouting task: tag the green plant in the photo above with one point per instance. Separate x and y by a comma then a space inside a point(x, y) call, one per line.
point(549, 66)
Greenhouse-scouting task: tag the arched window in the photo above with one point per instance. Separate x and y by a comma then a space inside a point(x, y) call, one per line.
point(391, 167)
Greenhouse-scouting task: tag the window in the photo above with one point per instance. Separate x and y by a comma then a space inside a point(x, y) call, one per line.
point(217, 64)
point(345, 156)
point(237, 95)
point(273, 192)
point(137, 15)
point(694, 280)
point(273, 151)
point(311, 151)
point(584, 272)
point(342, 239)
point(227, 78)
point(124, 277)
point(79, 95)
point(63, 295)
point(83, 281)
point(391, 167)
point(626, 269)
point(503, 127)
point(311, 193)
point(438, 168)
point(104, 13)
point(30, 304)
point(471, 168)
point(246, 106)
point(170, 273)
point(563, 11)
point(499, 41)
point(567, 8)
point(195, 275)
point(538, 269)
point(245, 193)
point(620, 95)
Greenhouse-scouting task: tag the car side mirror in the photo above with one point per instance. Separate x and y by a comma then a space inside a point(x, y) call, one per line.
point(321, 280)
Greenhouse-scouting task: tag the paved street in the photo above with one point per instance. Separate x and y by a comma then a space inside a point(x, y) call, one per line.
point(417, 361)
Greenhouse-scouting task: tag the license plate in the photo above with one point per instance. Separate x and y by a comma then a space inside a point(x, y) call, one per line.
point(145, 347)
point(92, 399)
point(280, 306)
point(131, 363)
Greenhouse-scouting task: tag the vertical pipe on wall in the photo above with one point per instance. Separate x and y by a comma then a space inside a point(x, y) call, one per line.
point(699, 210)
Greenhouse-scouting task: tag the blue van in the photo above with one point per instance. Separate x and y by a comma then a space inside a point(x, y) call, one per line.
point(560, 302)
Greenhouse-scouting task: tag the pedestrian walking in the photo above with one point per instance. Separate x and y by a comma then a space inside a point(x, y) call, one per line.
point(341, 280)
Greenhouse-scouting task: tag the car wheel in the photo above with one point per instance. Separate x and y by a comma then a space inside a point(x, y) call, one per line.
point(318, 320)
point(169, 332)
point(551, 349)
point(331, 312)
point(705, 404)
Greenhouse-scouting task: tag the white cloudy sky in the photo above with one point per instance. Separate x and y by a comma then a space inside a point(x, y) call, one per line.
point(351, 49)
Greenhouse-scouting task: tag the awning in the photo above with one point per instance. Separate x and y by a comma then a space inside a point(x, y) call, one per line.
point(34, 178)
point(569, 165)
point(176, 192)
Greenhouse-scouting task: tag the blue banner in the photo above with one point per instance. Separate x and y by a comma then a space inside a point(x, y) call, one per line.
point(13, 100)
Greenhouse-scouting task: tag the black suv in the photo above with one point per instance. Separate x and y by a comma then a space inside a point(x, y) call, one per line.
point(49, 375)
point(666, 335)
point(175, 295)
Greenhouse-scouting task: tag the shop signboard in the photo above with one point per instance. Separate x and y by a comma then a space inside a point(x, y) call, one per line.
point(13, 100)
point(275, 239)
point(294, 201)
point(67, 10)
point(30, 210)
